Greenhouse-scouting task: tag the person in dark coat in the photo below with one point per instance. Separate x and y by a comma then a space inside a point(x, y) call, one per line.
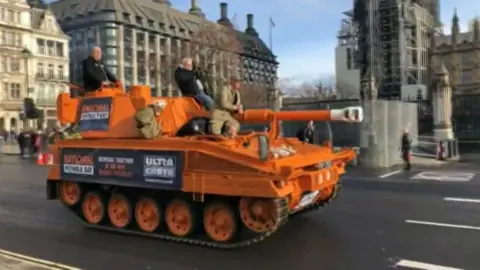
point(190, 85)
point(307, 133)
point(21, 143)
point(406, 145)
point(94, 73)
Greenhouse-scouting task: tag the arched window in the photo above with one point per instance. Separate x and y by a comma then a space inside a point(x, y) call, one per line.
point(63, 89)
point(51, 71)
point(40, 70)
point(52, 93)
point(60, 72)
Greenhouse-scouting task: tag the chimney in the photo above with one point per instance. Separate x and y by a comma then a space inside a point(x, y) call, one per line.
point(195, 9)
point(250, 27)
point(249, 20)
point(224, 20)
point(223, 10)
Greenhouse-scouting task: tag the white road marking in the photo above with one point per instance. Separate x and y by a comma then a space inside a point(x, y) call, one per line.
point(466, 200)
point(423, 266)
point(390, 174)
point(457, 226)
point(37, 262)
point(445, 176)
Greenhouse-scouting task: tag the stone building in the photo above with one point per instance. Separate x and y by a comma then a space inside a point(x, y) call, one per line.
point(34, 61)
point(144, 40)
point(460, 52)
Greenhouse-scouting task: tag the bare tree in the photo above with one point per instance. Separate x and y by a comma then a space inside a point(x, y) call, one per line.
point(217, 46)
point(317, 89)
point(254, 96)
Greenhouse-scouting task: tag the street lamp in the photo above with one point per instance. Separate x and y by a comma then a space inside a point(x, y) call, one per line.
point(26, 55)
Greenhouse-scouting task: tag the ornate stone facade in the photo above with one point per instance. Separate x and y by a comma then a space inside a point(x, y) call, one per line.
point(34, 60)
point(461, 54)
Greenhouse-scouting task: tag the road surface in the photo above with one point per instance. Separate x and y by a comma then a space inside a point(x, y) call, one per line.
point(377, 223)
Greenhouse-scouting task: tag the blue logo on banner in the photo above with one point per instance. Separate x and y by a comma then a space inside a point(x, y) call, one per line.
point(95, 114)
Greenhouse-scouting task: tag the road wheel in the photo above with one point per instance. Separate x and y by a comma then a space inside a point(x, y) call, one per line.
point(181, 218)
point(258, 214)
point(70, 193)
point(119, 211)
point(148, 214)
point(220, 222)
point(93, 208)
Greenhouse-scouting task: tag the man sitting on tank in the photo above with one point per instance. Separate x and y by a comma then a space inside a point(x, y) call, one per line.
point(229, 130)
point(190, 85)
point(94, 73)
point(228, 105)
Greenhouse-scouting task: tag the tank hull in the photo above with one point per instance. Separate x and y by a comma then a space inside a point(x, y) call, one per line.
point(105, 188)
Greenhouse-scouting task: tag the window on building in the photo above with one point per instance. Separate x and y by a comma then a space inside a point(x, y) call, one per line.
point(6, 88)
point(59, 49)
point(9, 38)
point(15, 64)
point(4, 63)
point(19, 17)
point(41, 91)
point(15, 91)
point(18, 39)
point(49, 25)
point(40, 71)
point(51, 71)
point(9, 15)
point(61, 71)
point(41, 46)
point(467, 76)
point(51, 47)
point(52, 94)
point(90, 33)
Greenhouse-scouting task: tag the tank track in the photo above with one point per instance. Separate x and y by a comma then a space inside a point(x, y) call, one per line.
point(246, 237)
point(322, 203)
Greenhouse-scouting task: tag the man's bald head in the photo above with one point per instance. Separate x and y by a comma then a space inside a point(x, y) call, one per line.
point(187, 63)
point(96, 53)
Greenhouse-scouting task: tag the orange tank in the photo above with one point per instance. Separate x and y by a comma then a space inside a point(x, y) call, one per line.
point(187, 185)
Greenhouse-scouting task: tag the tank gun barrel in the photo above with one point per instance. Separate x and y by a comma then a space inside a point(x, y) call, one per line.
point(349, 114)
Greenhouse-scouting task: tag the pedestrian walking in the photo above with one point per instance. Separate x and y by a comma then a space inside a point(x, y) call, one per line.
point(406, 145)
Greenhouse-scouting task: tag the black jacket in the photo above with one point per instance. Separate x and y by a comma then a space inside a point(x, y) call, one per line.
point(186, 81)
point(406, 143)
point(94, 74)
point(306, 134)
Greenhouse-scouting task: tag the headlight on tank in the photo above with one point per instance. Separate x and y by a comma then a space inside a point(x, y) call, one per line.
point(328, 175)
point(319, 179)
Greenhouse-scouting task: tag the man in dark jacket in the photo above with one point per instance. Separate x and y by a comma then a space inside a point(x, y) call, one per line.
point(94, 73)
point(190, 85)
point(307, 133)
point(406, 147)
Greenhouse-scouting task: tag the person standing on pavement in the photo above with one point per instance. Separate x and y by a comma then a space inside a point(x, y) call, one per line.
point(307, 133)
point(406, 145)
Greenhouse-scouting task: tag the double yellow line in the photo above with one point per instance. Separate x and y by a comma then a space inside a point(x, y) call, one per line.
point(41, 264)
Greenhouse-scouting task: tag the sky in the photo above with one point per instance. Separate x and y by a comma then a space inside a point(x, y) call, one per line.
point(304, 37)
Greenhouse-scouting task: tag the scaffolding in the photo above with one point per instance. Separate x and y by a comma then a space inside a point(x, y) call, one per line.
point(393, 42)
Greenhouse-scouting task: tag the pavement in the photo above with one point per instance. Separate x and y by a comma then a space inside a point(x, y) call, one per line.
point(422, 219)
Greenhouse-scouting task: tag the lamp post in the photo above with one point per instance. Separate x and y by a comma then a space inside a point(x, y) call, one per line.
point(26, 55)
